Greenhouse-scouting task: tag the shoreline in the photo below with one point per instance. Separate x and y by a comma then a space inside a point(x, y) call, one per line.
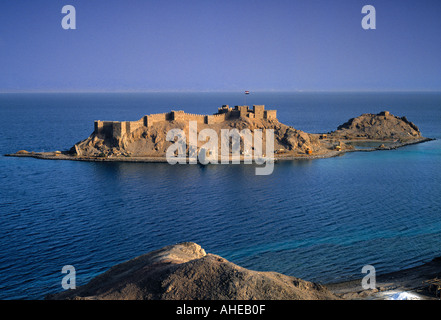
point(57, 155)
point(414, 281)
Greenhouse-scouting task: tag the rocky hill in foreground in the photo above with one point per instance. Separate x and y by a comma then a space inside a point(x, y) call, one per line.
point(186, 272)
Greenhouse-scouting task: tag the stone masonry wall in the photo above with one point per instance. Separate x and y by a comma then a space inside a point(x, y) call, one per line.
point(117, 129)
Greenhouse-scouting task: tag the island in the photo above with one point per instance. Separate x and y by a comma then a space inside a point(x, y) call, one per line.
point(145, 140)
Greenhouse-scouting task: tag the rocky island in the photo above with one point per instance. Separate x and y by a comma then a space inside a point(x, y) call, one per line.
point(145, 140)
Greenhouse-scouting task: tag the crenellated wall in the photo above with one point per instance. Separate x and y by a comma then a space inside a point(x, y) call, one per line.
point(182, 116)
point(158, 117)
point(118, 129)
point(215, 118)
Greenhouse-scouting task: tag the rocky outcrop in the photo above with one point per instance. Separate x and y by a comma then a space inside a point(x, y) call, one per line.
point(186, 272)
point(293, 139)
point(381, 126)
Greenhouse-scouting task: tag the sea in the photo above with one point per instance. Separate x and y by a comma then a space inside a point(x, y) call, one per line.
point(320, 220)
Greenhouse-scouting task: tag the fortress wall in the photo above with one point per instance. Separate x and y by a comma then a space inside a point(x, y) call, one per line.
point(215, 118)
point(177, 115)
point(258, 111)
point(148, 121)
point(224, 109)
point(105, 128)
point(133, 125)
point(200, 118)
point(119, 129)
point(234, 114)
point(157, 117)
point(125, 127)
point(270, 114)
point(116, 129)
point(97, 126)
point(243, 111)
point(182, 116)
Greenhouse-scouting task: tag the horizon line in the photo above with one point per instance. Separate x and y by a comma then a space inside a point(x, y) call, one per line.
point(221, 91)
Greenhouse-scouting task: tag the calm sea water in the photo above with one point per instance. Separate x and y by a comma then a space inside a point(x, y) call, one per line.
point(321, 220)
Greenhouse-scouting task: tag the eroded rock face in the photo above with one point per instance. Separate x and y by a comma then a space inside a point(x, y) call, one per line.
point(186, 272)
point(298, 140)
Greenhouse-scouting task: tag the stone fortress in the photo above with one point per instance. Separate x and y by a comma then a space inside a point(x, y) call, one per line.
point(118, 129)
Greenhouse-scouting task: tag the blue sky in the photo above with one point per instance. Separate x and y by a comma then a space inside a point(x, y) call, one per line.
point(211, 45)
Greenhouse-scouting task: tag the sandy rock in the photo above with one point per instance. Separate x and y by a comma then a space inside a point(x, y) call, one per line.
point(378, 126)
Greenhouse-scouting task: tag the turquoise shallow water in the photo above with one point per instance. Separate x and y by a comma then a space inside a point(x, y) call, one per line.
point(320, 220)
